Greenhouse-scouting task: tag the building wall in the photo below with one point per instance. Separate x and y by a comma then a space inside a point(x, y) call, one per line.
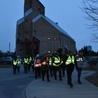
point(50, 38)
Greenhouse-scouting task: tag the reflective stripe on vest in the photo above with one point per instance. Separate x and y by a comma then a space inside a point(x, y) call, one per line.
point(25, 60)
point(79, 59)
point(29, 60)
point(56, 60)
point(70, 60)
point(19, 62)
point(14, 62)
point(50, 61)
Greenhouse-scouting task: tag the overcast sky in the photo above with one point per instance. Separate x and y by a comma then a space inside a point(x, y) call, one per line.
point(66, 12)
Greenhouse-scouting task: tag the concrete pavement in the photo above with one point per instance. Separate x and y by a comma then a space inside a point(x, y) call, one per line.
point(54, 88)
point(60, 89)
point(7, 74)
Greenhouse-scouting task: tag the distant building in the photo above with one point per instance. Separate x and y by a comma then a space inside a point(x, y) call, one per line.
point(36, 33)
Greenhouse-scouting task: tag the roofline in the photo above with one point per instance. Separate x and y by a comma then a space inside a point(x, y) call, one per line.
point(52, 23)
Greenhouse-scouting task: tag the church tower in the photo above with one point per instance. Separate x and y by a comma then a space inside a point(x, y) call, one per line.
point(24, 35)
point(36, 6)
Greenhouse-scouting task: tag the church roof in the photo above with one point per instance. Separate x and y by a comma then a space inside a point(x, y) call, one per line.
point(20, 21)
point(52, 23)
point(25, 15)
point(28, 12)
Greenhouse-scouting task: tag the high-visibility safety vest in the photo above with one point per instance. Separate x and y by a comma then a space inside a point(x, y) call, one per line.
point(32, 58)
point(70, 59)
point(26, 60)
point(56, 60)
point(29, 60)
point(18, 61)
point(50, 61)
point(15, 62)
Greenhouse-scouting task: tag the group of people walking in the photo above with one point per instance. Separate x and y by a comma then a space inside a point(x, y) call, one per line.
point(27, 62)
point(48, 65)
point(54, 65)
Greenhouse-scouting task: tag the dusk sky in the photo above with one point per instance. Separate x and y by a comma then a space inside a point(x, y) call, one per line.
point(66, 12)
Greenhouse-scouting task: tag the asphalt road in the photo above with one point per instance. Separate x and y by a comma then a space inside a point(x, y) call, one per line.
point(14, 86)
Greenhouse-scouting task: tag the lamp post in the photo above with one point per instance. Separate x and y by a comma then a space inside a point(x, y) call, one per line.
point(9, 46)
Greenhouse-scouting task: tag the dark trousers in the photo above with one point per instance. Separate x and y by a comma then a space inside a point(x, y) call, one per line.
point(51, 70)
point(33, 67)
point(29, 67)
point(25, 68)
point(63, 70)
point(37, 72)
point(18, 69)
point(55, 70)
point(14, 69)
point(45, 73)
point(79, 73)
point(69, 70)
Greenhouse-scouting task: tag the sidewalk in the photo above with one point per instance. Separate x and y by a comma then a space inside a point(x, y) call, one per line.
point(7, 74)
point(60, 89)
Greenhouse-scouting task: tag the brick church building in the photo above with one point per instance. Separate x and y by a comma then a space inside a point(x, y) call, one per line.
point(36, 33)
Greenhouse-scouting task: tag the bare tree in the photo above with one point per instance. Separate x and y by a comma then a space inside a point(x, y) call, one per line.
point(90, 7)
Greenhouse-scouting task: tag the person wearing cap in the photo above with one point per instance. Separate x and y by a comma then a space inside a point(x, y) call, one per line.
point(69, 64)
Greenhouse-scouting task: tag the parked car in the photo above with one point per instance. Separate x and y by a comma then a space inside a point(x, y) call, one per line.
point(7, 60)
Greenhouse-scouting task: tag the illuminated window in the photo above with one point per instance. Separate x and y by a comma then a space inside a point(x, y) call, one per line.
point(49, 38)
point(49, 51)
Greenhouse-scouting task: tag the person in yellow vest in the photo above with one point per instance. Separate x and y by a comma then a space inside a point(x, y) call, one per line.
point(18, 64)
point(50, 65)
point(29, 63)
point(25, 63)
point(56, 66)
point(69, 64)
point(15, 62)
